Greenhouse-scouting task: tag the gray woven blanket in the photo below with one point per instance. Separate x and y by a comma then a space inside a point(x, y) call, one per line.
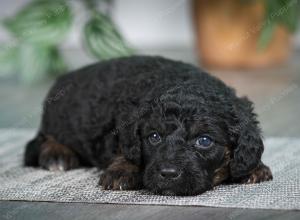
point(80, 185)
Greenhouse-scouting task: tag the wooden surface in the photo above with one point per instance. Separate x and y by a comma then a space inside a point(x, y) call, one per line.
point(276, 93)
point(74, 211)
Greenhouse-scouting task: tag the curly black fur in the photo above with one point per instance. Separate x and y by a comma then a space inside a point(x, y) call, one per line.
point(109, 109)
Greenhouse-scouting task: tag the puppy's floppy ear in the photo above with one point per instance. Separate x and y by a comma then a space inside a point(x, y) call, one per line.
point(131, 143)
point(247, 145)
point(129, 132)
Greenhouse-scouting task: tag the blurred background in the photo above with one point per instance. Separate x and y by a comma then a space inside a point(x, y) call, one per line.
point(252, 45)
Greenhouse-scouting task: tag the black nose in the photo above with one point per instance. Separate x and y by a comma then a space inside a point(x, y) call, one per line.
point(169, 173)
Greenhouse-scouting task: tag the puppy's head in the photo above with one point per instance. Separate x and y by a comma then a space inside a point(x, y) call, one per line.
point(187, 143)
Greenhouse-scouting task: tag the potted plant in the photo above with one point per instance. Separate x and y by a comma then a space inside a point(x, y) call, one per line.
point(244, 33)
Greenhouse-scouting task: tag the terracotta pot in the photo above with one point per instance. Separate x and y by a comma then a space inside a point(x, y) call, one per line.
point(228, 31)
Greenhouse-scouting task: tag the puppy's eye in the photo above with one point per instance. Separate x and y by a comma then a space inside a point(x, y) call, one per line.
point(204, 142)
point(154, 138)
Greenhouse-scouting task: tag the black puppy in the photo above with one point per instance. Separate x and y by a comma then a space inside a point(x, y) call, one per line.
point(150, 123)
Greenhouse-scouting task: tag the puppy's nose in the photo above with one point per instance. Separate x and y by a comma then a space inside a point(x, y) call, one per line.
point(169, 173)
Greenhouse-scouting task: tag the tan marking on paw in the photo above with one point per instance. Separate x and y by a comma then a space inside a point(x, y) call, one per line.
point(260, 174)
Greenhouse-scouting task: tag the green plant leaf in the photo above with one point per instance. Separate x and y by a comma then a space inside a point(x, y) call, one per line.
point(34, 63)
point(103, 40)
point(41, 21)
point(291, 20)
point(266, 36)
point(278, 12)
point(57, 64)
point(37, 62)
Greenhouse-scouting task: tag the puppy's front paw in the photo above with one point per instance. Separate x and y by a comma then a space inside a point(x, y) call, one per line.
point(116, 180)
point(121, 175)
point(260, 174)
point(57, 157)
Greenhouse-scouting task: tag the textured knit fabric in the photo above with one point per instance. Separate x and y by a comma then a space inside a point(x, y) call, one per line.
point(80, 185)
